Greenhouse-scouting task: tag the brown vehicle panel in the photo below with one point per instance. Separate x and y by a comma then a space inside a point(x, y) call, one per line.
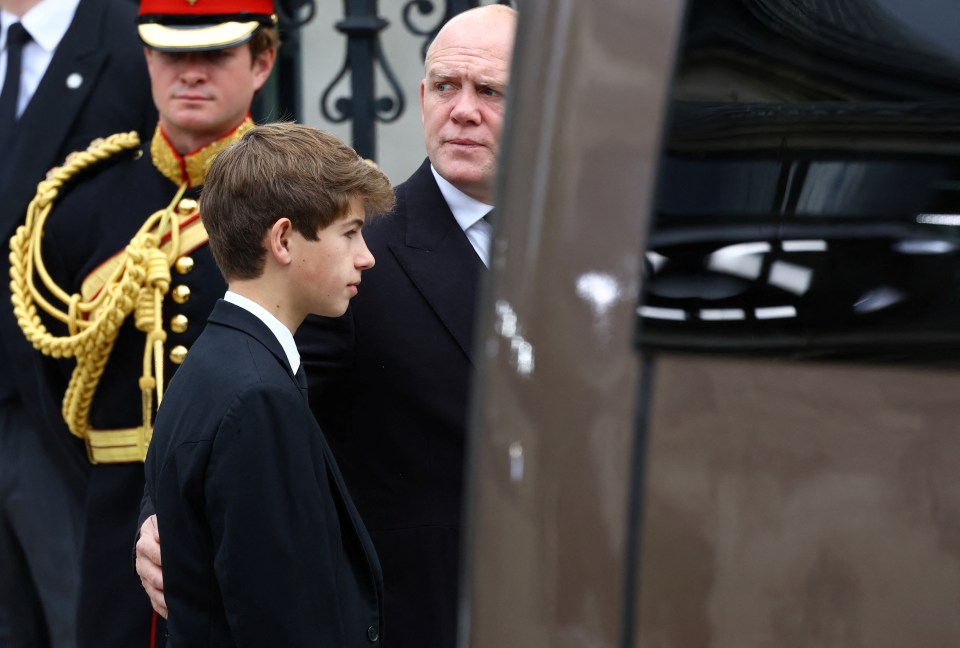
point(550, 462)
point(797, 505)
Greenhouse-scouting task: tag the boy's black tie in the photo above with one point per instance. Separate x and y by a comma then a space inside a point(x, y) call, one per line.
point(17, 37)
point(301, 377)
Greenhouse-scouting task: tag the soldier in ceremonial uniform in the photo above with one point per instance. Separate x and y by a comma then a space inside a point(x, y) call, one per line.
point(112, 275)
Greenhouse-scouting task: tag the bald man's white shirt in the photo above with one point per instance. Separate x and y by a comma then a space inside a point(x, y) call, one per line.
point(469, 214)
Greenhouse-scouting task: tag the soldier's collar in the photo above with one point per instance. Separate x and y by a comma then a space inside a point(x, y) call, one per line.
point(192, 167)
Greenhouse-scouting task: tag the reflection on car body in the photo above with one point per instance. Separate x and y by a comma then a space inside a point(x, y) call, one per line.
point(813, 216)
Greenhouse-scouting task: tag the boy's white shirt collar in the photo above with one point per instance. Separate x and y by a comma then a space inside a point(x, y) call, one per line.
point(281, 332)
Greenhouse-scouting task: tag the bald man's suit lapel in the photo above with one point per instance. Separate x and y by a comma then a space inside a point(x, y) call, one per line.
point(437, 258)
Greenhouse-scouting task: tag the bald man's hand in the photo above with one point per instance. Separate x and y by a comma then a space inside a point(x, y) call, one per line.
point(150, 566)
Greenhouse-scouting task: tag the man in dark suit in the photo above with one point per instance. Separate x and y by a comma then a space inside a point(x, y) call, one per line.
point(81, 76)
point(265, 547)
point(390, 381)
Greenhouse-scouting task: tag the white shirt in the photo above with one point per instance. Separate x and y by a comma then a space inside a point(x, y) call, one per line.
point(282, 333)
point(469, 214)
point(46, 23)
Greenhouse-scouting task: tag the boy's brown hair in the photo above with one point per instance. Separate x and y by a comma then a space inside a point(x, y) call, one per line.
point(282, 170)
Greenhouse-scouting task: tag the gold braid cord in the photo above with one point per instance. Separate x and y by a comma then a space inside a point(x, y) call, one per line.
point(137, 285)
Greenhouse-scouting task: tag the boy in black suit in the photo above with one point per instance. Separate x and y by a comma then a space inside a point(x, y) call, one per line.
point(263, 545)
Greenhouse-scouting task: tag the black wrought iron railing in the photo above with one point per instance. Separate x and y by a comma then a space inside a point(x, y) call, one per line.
point(362, 26)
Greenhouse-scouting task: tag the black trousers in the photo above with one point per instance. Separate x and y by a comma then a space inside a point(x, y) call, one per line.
point(114, 610)
point(40, 530)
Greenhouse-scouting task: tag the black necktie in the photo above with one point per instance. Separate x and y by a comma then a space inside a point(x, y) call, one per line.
point(301, 377)
point(17, 37)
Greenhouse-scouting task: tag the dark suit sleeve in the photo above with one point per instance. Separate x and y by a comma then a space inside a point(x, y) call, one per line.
point(274, 523)
point(146, 510)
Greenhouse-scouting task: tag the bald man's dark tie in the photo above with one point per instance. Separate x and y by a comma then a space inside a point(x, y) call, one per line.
point(17, 37)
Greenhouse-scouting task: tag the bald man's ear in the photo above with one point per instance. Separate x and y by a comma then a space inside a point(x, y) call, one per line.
point(423, 90)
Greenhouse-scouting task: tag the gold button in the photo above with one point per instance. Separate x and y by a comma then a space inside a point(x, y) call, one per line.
point(179, 323)
point(184, 264)
point(181, 294)
point(186, 206)
point(178, 354)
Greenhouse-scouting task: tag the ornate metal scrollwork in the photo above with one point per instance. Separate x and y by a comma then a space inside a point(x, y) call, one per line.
point(283, 100)
point(426, 7)
point(289, 13)
point(362, 26)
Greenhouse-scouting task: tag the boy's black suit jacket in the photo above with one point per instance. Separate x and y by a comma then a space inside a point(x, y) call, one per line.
point(389, 384)
point(101, 55)
point(262, 545)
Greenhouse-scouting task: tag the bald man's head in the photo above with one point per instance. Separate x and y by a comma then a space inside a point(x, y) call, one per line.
point(462, 97)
